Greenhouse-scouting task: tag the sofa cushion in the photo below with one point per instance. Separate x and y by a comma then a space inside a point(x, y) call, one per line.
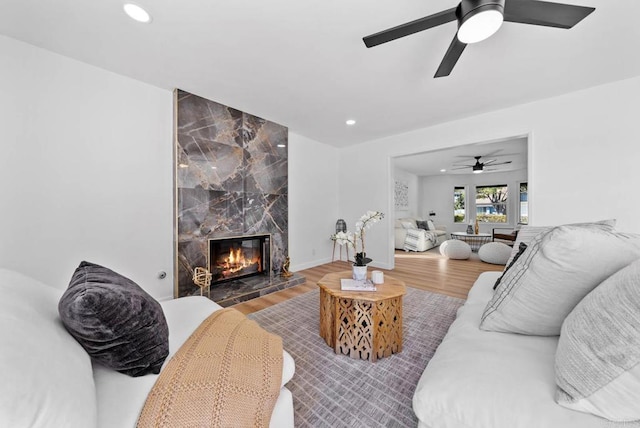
point(553, 274)
point(409, 224)
point(115, 321)
point(431, 225)
point(47, 379)
point(481, 379)
point(598, 357)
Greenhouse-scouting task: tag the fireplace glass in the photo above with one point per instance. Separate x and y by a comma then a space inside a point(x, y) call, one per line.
point(238, 257)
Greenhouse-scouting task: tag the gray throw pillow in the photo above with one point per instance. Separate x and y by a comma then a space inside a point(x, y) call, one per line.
point(423, 224)
point(598, 355)
point(553, 274)
point(116, 322)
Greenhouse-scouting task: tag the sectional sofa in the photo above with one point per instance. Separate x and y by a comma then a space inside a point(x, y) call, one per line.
point(556, 344)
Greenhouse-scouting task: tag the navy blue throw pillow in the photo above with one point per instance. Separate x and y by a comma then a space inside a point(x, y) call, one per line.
point(116, 322)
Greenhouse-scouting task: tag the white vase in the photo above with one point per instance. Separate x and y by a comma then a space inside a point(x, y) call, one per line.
point(359, 273)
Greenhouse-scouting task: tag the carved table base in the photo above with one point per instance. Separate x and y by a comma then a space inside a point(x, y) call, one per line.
point(362, 327)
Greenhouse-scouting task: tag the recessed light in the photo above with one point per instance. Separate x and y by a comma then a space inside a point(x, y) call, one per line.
point(350, 122)
point(281, 145)
point(443, 170)
point(137, 13)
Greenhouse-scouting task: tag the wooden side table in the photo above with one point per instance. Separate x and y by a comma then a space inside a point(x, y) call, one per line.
point(364, 325)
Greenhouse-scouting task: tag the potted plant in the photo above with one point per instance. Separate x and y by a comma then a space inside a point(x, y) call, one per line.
point(356, 240)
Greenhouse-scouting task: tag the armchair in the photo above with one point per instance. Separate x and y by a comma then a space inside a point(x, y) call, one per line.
point(504, 234)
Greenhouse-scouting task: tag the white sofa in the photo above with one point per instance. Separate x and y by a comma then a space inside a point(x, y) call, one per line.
point(428, 239)
point(483, 379)
point(48, 379)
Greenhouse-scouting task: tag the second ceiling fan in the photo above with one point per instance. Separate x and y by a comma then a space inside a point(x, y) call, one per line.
point(479, 19)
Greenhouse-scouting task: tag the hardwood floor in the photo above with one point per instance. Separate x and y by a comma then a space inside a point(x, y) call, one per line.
point(426, 271)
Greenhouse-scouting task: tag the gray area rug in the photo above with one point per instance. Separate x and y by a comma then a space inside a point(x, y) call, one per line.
point(331, 390)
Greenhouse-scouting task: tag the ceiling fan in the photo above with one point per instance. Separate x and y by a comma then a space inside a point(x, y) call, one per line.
point(479, 19)
point(478, 167)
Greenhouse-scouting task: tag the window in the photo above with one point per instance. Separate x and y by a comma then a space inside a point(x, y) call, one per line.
point(524, 203)
point(459, 209)
point(491, 203)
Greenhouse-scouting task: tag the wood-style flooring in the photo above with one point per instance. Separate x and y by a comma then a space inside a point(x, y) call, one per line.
point(426, 271)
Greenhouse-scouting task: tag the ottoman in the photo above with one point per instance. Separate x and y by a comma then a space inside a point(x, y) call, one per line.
point(495, 253)
point(455, 249)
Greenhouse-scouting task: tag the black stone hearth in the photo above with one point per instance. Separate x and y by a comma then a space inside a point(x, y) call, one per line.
point(240, 290)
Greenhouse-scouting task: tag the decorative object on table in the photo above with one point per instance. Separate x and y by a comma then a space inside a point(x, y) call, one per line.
point(477, 228)
point(347, 284)
point(377, 277)
point(202, 278)
point(285, 268)
point(470, 229)
point(341, 225)
point(351, 239)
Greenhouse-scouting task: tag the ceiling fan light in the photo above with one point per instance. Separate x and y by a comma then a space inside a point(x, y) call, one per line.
point(477, 171)
point(480, 24)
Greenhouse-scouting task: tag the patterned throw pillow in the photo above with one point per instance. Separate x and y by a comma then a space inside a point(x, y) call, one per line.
point(554, 273)
point(116, 322)
point(423, 224)
point(521, 249)
point(598, 355)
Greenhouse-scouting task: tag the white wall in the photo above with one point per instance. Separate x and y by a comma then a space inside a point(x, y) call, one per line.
point(85, 170)
point(583, 154)
point(437, 196)
point(313, 201)
point(413, 183)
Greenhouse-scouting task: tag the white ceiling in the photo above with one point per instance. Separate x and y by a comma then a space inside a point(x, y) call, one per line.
point(303, 63)
point(452, 159)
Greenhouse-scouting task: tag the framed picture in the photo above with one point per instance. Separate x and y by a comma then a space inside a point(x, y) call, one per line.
point(401, 195)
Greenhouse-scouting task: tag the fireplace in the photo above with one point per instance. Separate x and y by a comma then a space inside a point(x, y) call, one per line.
point(239, 257)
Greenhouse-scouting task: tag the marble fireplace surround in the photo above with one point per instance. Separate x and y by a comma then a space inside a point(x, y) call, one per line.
point(230, 180)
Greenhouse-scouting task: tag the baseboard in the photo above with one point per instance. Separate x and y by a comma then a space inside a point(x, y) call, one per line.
point(301, 266)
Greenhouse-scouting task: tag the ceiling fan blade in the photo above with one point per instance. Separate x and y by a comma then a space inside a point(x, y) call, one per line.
point(489, 161)
point(500, 163)
point(451, 57)
point(557, 15)
point(462, 167)
point(410, 28)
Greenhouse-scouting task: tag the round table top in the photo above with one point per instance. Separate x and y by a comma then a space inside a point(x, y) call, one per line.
point(486, 235)
point(389, 289)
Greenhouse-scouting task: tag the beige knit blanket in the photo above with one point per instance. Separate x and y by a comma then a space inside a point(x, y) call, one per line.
point(227, 374)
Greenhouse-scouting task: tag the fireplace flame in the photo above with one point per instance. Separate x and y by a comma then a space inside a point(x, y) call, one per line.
point(236, 261)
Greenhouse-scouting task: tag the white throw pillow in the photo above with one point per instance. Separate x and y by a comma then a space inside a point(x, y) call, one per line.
point(598, 355)
point(526, 233)
point(409, 225)
point(553, 274)
point(431, 225)
point(47, 379)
